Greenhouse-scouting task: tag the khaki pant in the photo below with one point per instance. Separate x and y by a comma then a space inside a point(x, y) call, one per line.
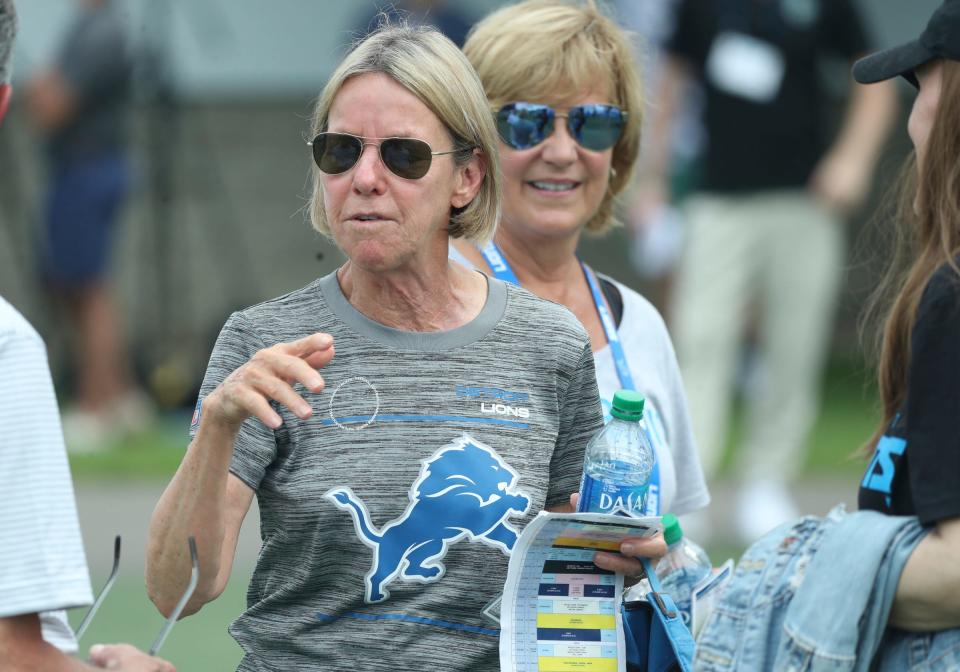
point(784, 252)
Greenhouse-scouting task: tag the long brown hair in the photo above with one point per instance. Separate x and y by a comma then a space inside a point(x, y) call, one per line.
point(927, 237)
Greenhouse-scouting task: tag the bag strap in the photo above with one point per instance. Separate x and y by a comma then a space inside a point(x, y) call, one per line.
point(651, 575)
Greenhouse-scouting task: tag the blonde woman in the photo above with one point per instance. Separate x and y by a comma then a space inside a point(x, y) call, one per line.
point(391, 488)
point(561, 81)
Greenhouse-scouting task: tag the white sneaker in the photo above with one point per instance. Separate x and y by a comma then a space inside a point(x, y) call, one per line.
point(761, 507)
point(133, 412)
point(86, 432)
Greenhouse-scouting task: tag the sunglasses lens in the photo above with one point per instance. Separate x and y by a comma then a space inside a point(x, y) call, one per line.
point(406, 157)
point(336, 153)
point(524, 125)
point(596, 127)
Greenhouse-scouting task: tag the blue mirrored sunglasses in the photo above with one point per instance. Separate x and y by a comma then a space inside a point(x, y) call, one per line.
point(595, 127)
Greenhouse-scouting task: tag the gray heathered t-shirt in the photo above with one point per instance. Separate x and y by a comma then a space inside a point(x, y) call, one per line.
point(388, 516)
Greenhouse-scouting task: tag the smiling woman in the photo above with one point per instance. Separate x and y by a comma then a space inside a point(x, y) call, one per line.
point(561, 79)
point(386, 483)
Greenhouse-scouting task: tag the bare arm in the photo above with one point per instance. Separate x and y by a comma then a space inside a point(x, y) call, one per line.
point(203, 500)
point(51, 102)
point(23, 649)
point(842, 178)
point(928, 595)
point(206, 501)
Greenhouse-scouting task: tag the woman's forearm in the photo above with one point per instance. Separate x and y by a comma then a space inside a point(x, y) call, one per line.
point(928, 595)
point(194, 503)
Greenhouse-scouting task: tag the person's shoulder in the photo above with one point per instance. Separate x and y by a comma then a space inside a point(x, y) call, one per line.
point(14, 325)
point(639, 315)
point(286, 314)
point(286, 305)
point(943, 287)
point(545, 319)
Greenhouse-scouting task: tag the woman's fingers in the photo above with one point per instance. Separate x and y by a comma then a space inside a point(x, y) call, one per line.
point(307, 345)
point(293, 369)
point(631, 548)
point(257, 405)
point(644, 547)
point(615, 562)
point(320, 359)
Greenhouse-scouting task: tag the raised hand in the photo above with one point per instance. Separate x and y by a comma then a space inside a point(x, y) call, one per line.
point(270, 375)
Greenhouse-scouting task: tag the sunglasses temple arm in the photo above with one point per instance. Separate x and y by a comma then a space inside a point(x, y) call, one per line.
point(187, 594)
point(88, 617)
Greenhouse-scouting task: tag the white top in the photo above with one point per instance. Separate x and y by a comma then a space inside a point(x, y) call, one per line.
point(656, 374)
point(42, 564)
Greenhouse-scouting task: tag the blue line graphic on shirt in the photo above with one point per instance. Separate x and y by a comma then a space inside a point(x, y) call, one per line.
point(464, 490)
point(887, 447)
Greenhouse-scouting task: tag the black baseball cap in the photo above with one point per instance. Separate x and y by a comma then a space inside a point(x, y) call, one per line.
point(940, 39)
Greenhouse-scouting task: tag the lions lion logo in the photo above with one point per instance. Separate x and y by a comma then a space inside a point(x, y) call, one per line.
point(465, 490)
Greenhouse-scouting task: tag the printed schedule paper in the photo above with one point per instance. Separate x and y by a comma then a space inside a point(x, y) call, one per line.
point(560, 611)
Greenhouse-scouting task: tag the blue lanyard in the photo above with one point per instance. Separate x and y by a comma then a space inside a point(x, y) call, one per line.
point(498, 264)
point(502, 271)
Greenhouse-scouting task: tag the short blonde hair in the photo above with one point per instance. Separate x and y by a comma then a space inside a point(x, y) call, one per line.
point(433, 69)
point(549, 51)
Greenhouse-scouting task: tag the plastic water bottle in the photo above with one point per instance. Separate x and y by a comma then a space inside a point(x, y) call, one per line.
point(618, 461)
point(683, 567)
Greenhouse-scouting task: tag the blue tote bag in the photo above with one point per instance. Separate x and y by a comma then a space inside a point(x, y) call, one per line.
point(656, 638)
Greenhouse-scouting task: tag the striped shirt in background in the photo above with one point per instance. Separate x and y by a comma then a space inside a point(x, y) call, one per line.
point(42, 565)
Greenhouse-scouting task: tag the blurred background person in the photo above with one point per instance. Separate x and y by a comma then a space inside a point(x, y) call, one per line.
point(569, 104)
point(446, 16)
point(657, 236)
point(80, 106)
point(766, 226)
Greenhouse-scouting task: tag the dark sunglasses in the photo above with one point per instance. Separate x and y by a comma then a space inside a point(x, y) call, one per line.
point(408, 158)
point(594, 127)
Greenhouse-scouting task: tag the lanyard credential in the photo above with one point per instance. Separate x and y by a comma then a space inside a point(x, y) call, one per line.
point(502, 271)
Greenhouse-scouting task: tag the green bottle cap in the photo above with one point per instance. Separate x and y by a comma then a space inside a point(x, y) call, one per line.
point(671, 529)
point(627, 405)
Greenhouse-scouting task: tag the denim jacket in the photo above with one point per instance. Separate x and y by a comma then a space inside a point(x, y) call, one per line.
point(815, 595)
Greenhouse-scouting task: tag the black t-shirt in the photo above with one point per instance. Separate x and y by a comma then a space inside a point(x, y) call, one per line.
point(915, 469)
point(775, 144)
point(97, 65)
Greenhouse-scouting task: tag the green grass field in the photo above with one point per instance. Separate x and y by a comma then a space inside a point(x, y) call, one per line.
point(201, 642)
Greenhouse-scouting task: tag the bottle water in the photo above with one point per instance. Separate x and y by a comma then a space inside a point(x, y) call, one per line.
point(618, 461)
point(683, 567)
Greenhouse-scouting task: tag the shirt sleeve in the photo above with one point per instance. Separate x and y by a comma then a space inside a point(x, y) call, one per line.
point(933, 402)
point(844, 33)
point(42, 565)
point(580, 418)
point(256, 445)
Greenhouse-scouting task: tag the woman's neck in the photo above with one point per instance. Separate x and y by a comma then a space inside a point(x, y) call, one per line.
point(425, 299)
point(547, 267)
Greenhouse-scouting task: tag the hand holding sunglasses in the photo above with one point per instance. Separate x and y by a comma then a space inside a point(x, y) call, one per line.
point(595, 127)
point(409, 158)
